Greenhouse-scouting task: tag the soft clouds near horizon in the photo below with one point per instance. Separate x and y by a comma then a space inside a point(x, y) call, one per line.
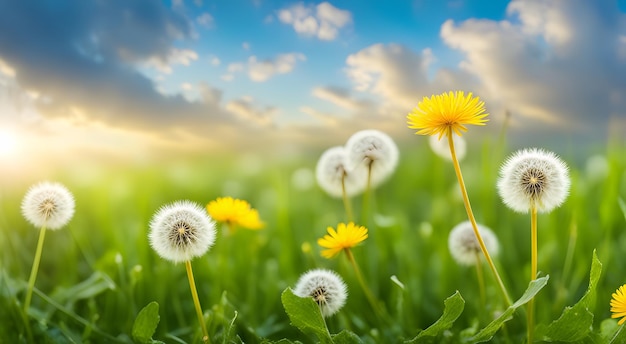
point(318, 72)
point(553, 62)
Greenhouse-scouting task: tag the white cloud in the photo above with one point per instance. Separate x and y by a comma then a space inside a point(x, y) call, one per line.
point(175, 57)
point(182, 56)
point(177, 3)
point(245, 46)
point(206, 20)
point(235, 67)
point(557, 62)
point(395, 74)
point(325, 118)
point(340, 97)
point(322, 21)
point(262, 70)
point(244, 109)
point(6, 69)
point(214, 60)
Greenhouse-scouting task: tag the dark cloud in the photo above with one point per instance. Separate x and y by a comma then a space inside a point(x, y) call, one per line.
point(83, 54)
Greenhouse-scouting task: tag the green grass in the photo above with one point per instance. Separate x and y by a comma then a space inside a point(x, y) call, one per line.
point(98, 272)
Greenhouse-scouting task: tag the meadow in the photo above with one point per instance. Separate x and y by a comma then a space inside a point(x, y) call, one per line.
point(99, 272)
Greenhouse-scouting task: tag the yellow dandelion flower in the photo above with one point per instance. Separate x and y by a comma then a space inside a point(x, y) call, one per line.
point(346, 236)
point(234, 212)
point(618, 304)
point(446, 113)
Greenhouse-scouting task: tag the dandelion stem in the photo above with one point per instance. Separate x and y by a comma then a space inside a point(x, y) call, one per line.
point(319, 306)
point(470, 215)
point(230, 228)
point(35, 268)
point(367, 195)
point(533, 269)
point(481, 281)
point(346, 201)
point(196, 302)
point(366, 289)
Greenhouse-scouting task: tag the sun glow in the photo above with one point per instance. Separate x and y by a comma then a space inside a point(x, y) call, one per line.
point(8, 144)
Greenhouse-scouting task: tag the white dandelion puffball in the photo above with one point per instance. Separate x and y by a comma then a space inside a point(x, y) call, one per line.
point(441, 147)
point(48, 204)
point(181, 231)
point(373, 148)
point(325, 287)
point(332, 168)
point(464, 246)
point(533, 177)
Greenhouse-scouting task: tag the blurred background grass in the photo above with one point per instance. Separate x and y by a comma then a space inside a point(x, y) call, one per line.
point(100, 270)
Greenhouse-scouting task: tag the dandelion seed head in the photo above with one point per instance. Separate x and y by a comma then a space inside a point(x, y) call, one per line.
point(332, 167)
point(181, 231)
point(48, 204)
point(464, 246)
point(325, 287)
point(533, 177)
point(372, 149)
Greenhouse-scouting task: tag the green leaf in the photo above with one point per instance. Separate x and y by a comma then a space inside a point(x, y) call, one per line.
point(487, 333)
point(305, 314)
point(453, 307)
point(282, 341)
point(611, 332)
point(97, 283)
point(346, 337)
point(622, 205)
point(146, 323)
point(575, 322)
point(228, 331)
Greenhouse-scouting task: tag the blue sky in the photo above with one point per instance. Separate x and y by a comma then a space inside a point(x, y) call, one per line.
point(133, 77)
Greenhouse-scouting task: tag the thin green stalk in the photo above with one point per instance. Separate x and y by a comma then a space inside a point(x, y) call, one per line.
point(616, 334)
point(481, 280)
point(470, 215)
point(533, 269)
point(77, 318)
point(569, 255)
point(35, 268)
point(323, 319)
point(367, 195)
point(196, 302)
point(346, 200)
point(366, 289)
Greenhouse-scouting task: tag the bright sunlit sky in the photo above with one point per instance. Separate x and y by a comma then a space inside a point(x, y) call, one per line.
point(135, 77)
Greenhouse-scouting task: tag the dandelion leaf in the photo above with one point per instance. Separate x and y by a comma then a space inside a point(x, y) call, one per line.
point(611, 332)
point(229, 334)
point(305, 314)
point(283, 341)
point(96, 284)
point(453, 307)
point(146, 323)
point(346, 337)
point(575, 322)
point(490, 330)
